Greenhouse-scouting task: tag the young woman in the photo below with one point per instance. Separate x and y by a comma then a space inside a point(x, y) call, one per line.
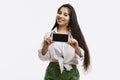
point(64, 56)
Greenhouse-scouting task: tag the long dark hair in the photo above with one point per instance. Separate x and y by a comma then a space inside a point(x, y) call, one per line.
point(77, 34)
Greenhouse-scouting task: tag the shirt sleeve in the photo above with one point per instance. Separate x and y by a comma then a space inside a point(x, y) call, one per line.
point(43, 57)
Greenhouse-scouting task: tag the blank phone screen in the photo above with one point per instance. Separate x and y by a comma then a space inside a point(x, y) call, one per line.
point(60, 37)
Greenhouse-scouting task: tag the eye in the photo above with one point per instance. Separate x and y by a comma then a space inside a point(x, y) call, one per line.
point(65, 14)
point(59, 12)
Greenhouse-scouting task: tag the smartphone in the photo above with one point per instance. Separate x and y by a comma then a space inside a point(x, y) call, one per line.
point(60, 37)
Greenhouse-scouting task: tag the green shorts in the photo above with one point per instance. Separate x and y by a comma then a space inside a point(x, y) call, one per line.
point(53, 73)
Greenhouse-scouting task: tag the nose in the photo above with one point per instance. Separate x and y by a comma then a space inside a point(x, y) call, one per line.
point(60, 15)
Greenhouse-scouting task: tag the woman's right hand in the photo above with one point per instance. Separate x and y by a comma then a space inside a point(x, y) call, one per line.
point(48, 41)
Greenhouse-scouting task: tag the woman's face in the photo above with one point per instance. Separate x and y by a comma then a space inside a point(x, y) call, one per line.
point(63, 17)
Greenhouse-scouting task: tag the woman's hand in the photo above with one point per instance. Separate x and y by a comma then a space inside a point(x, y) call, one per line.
point(74, 43)
point(47, 41)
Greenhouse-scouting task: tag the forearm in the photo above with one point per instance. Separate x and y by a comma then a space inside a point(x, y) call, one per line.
point(78, 51)
point(44, 49)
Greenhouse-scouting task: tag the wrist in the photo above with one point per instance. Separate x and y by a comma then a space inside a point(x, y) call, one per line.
point(77, 49)
point(45, 46)
point(44, 49)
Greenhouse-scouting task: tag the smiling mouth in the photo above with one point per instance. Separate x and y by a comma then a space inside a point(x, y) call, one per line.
point(60, 20)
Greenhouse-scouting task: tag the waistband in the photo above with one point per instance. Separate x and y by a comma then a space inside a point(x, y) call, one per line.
point(57, 63)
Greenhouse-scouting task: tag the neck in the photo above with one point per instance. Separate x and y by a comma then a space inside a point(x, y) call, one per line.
point(63, 29)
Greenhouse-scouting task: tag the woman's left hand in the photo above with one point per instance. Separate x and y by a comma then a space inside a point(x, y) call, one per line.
point(73, 42)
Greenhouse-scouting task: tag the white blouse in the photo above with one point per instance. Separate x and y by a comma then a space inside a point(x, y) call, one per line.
point(60, 52)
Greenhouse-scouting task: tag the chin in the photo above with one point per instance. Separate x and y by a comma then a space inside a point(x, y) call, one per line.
point(60, 23)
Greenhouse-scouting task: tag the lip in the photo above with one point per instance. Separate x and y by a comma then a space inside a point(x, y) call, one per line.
point(59, 19)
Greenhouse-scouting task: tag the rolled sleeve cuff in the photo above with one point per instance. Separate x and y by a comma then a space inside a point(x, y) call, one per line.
point(43, 57)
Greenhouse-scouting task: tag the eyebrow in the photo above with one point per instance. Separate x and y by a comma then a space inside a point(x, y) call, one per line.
point(63, 12)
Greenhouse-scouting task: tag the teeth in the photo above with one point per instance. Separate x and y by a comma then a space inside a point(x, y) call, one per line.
point(60, 19)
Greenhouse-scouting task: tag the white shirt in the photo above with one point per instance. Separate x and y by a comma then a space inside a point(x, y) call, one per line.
point(58, 49)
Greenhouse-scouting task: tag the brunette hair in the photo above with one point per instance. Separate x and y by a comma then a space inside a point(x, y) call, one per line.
point(76, 33)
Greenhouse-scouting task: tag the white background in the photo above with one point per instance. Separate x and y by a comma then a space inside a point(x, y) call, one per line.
point(24, 22)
